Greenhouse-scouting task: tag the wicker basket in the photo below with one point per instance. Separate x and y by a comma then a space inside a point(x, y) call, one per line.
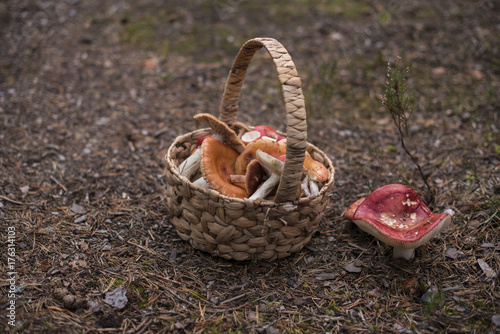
point(243, 229)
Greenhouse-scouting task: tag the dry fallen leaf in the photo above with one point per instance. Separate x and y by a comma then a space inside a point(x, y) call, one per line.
point(117, 298)
point(77, 209)
point(490, 273)
point(326, 276)
point(351, 267)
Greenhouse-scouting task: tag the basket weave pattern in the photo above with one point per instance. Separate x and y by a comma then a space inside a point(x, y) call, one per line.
point(243, 229)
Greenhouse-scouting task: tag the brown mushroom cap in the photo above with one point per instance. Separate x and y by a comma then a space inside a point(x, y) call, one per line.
point(217, 166)
point(396, 215)
point(266, 145)
point(227, 135)
point(254, 176)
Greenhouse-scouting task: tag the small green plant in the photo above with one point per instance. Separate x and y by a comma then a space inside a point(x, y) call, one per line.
point(434, 301)
point(400, 102)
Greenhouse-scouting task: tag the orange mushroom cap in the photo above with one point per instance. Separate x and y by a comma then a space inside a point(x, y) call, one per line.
point(217, 166)
point(315, 169)
point(266, 145)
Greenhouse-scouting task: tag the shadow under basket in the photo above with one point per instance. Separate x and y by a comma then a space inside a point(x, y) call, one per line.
point(244, 229)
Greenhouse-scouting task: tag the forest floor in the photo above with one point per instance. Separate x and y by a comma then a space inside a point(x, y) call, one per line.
point(92, 94)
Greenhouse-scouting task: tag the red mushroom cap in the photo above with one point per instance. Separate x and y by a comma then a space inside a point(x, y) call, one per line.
point(396, 215)
point(266, 131)
point(200, 141)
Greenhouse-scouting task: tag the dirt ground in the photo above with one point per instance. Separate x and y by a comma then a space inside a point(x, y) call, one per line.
point(92, 94)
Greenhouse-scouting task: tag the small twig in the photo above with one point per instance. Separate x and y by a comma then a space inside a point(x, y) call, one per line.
point(141, 247)
point(16, 202)
point(400, 102)
point(413, 159)
point(59, 184)
point(234, 298)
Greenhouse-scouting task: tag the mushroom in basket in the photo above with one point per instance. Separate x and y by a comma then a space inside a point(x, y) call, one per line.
point(217, 166)
point(224, 160)
point(261, 131)
point(222, 132)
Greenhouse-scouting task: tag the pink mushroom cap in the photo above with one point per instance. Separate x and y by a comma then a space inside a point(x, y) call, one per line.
point(397, 216)
point(267, 131)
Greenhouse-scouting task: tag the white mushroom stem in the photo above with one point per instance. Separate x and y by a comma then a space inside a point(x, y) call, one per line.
point(268, 138)
point(274, 167)
point(313, 188)
point(406, 253)
point(237, 178)
point(266, 187)
point(189, 167)
point(309, 187)
point(201, 182)
point(305, 186)
point(270, 163)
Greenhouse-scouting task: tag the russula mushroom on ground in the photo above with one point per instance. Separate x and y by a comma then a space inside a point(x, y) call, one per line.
point(274, 167)
point(217, 166)
point(249, 153)
point(396, 215)
point(222, 131)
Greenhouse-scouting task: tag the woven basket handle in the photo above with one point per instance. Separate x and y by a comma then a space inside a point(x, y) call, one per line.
point(296, 125)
